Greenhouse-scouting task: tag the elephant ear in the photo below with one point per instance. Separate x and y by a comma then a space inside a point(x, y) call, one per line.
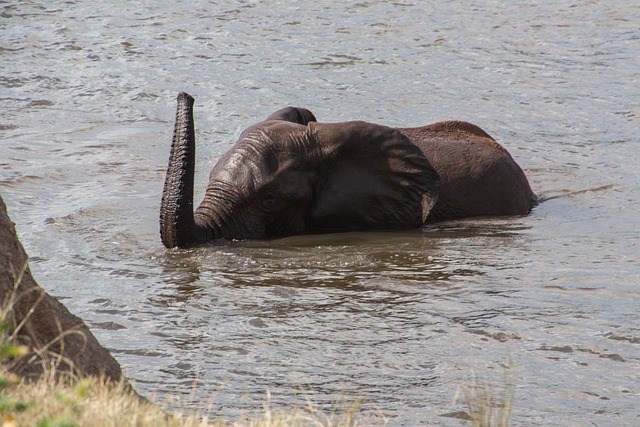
point(298, 115)
point(371, 177)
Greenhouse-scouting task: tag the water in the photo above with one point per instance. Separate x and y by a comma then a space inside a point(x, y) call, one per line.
point(397, 320)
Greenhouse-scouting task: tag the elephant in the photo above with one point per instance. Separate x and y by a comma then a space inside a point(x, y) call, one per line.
point(290, 175)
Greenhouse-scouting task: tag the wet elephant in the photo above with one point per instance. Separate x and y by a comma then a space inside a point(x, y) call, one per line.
point(290, 175)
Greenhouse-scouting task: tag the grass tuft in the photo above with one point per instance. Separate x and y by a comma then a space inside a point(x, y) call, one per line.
point(486, 406)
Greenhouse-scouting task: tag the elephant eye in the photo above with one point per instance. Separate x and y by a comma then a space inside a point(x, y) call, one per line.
point(269, 201)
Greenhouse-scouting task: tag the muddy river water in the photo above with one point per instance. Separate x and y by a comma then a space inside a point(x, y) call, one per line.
point(399, 321)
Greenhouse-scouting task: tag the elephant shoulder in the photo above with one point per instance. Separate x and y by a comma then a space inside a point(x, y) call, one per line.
point(458, 131)
point(293, 114)
point(458, 126)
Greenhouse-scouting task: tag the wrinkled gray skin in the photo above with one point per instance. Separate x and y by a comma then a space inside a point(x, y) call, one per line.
point(290, 175)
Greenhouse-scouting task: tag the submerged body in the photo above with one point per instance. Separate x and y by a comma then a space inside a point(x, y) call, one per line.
point(291, 175)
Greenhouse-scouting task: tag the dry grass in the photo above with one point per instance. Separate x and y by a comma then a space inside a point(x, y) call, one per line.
point(96, 403)
point(486, 406)
point(89, 402)
point(308, 415)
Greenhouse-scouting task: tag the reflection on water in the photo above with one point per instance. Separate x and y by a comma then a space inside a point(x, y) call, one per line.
point(396, 319)
point(319, 260)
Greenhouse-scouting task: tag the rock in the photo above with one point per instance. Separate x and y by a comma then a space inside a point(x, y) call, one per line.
point(54, 336)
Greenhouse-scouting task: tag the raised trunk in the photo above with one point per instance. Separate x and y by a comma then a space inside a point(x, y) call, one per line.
point(177, 225)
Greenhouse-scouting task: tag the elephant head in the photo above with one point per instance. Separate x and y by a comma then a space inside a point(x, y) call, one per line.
point(290, 175)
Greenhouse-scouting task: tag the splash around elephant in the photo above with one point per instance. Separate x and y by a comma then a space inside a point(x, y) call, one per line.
point(290, 175)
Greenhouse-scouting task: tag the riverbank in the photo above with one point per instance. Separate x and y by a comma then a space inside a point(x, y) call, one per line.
point(92, 402)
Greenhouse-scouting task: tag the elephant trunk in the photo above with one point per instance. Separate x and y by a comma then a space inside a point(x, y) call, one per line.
point(178, 228)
